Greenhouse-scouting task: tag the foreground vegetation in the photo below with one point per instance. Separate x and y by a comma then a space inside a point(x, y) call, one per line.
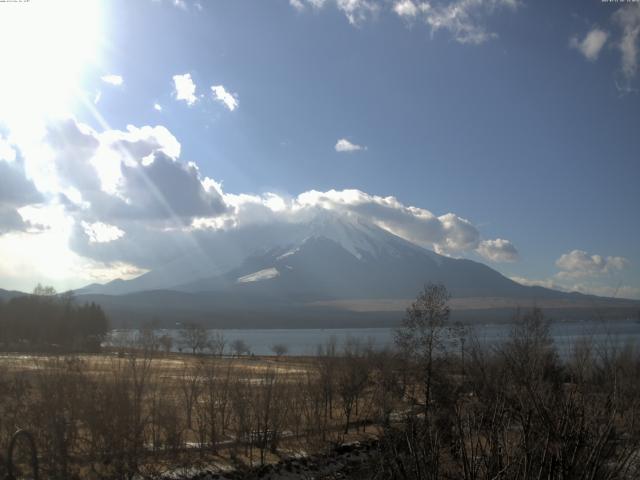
point(511, 412)
point(517, 411)
point(111, 416)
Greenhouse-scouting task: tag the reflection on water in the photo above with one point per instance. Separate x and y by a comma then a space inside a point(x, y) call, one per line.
point(305, 341)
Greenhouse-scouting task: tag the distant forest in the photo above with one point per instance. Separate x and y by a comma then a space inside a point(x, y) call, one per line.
point(48, 321)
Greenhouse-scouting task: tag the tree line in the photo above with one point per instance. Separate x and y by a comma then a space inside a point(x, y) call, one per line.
point(48, 321)
point(191, 337)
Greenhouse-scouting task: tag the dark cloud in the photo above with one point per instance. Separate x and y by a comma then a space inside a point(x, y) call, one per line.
point(151, 185)
point(73, 149)
point(165, 189)
point(16, 191)
point(10, 220)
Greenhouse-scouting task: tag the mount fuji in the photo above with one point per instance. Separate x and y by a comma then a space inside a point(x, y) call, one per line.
point(331, 271)
point(340, 259)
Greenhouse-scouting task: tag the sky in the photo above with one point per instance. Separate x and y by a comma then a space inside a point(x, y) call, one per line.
point(504, 131)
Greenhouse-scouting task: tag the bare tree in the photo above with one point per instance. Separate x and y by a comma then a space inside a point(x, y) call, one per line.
point(166, 343)
point(146, 338)
point(240, 347)
point(217, 343)
point(191, 388)
point(326, 364)
point(195, 337)
point(352, 378)
point(213, 408)
point(44, 291)
point(422, 333)
point(386, 384)
point(279, 349)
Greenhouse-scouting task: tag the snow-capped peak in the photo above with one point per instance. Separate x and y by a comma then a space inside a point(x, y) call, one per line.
point(358, 237)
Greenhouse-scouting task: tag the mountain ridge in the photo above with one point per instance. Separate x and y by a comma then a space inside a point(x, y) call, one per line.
point(327, 271)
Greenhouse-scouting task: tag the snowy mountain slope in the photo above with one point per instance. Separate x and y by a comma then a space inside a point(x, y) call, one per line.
point(330, 257)
point(313, 274)
point(350, 259)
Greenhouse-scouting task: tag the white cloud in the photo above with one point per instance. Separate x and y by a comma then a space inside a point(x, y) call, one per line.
point(7, 152)
point(183, 5)
point(157, 107)
point(405, 8)
point(221, 95)
point(621, 291)
point(498, 250)
point(465, 20)
point(591, 44)
point(297, 4)
point(447, 234)
point(111, 79)
point(356, 11)
point(628, 19)
point(624, 36)
point(585, 273)
point(460, 235)
point(546, 283)
point(344, 145)
point(185, 88)
point(99, 232)
point(579, 263)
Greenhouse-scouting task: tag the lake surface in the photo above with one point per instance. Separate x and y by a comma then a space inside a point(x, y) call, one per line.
point(305, 341)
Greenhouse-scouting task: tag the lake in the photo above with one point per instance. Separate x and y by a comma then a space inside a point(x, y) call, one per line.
point(305, 341)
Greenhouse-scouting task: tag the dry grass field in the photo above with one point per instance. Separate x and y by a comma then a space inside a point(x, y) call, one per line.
point(515, 411)
point(105, 415)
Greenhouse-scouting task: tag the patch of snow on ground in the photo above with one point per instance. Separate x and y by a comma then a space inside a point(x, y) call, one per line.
point(285, 255)
point(265, 274)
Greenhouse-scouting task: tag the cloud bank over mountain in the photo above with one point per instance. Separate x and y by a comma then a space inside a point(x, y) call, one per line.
point(125, 197)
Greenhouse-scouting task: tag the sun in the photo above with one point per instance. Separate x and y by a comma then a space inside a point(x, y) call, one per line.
point(45, 48)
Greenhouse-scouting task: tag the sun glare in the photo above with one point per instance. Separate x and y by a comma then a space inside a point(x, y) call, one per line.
point(45, 47)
